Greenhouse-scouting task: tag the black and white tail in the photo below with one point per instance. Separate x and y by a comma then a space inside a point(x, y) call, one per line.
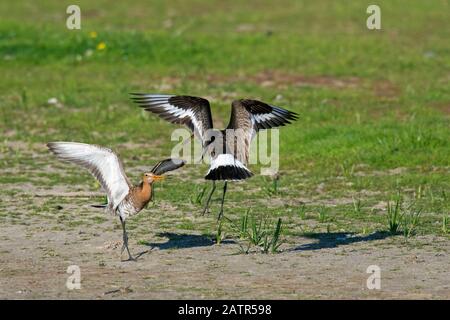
point(226, 167)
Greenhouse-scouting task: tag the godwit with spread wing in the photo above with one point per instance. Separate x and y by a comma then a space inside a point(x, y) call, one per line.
point(124, 198)
point(230, 151)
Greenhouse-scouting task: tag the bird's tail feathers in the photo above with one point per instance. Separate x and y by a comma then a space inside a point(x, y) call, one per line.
point(226, 167)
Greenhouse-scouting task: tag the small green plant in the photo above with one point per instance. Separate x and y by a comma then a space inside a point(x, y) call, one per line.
point(322, 214)
point(272, 186)
point(394, 215)
point(276, 243)
point(410, 220)
point(244, 225)
point(403, 219)
point(418, 193)
point(198, 196)
point(257, 233)
point(347, 168)
point(272, 245)
point(302, 211)
point(445, 223)
point(432, 196)
point(357, 205)
point(24, 99)
point(444, 195)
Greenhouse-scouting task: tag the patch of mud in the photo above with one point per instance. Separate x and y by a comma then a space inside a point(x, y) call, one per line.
point(272, 78)
point(442, 107)
point(383, 89)
point(386, 90)
point(279, 79)
point(183, 265)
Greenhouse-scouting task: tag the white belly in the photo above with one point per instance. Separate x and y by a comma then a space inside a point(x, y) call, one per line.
point(126, 209)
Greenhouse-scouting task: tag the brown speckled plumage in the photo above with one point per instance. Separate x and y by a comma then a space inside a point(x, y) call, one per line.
point(139, 196)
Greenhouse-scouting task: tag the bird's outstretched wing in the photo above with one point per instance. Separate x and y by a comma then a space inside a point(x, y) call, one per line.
point(167, 165)
point(260, 114)
point(101, 162)
point(250, 116)
point(193, 112)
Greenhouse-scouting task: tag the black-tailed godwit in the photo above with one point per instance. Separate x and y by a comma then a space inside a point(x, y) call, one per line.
point(124, 198)
point(231, 148)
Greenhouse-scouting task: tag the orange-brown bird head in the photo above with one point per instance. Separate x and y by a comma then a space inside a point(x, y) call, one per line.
point(151, 177)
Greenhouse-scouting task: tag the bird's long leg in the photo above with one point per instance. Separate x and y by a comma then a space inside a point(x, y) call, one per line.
point(219, 217)
point(209, 198)
point(125, 240)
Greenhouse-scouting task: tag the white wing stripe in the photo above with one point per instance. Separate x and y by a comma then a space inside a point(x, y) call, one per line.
point(103, 164)
point(265, 117)
point(161, 102)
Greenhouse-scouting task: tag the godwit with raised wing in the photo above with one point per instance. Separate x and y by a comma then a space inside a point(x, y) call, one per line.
point(230, 151)
point(124, 199)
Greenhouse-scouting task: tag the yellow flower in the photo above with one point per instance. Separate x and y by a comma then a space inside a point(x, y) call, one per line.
point(101, 46)
point(93, 34)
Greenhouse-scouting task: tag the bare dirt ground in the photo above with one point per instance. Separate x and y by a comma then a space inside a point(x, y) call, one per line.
point(40, 239)
point(35, 257)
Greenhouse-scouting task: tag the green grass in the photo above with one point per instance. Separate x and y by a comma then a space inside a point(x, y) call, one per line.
point(394, 214)
point(256, 231)
point(445, 223)
point(374, 105)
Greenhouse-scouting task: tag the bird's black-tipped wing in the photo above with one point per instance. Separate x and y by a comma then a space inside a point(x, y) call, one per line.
point(250, 116)
point(262, 115)
point(193, 112)
point(167, 165)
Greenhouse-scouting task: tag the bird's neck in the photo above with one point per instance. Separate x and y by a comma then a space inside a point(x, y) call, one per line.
point(145, 191)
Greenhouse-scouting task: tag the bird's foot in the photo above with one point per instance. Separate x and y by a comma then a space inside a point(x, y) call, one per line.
point(130, 258)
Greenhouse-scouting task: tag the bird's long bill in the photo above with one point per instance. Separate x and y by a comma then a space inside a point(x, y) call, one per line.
point(158, 178)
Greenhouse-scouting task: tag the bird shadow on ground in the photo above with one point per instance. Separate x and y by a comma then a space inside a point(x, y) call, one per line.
point(183, 241)
point(334, 240)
